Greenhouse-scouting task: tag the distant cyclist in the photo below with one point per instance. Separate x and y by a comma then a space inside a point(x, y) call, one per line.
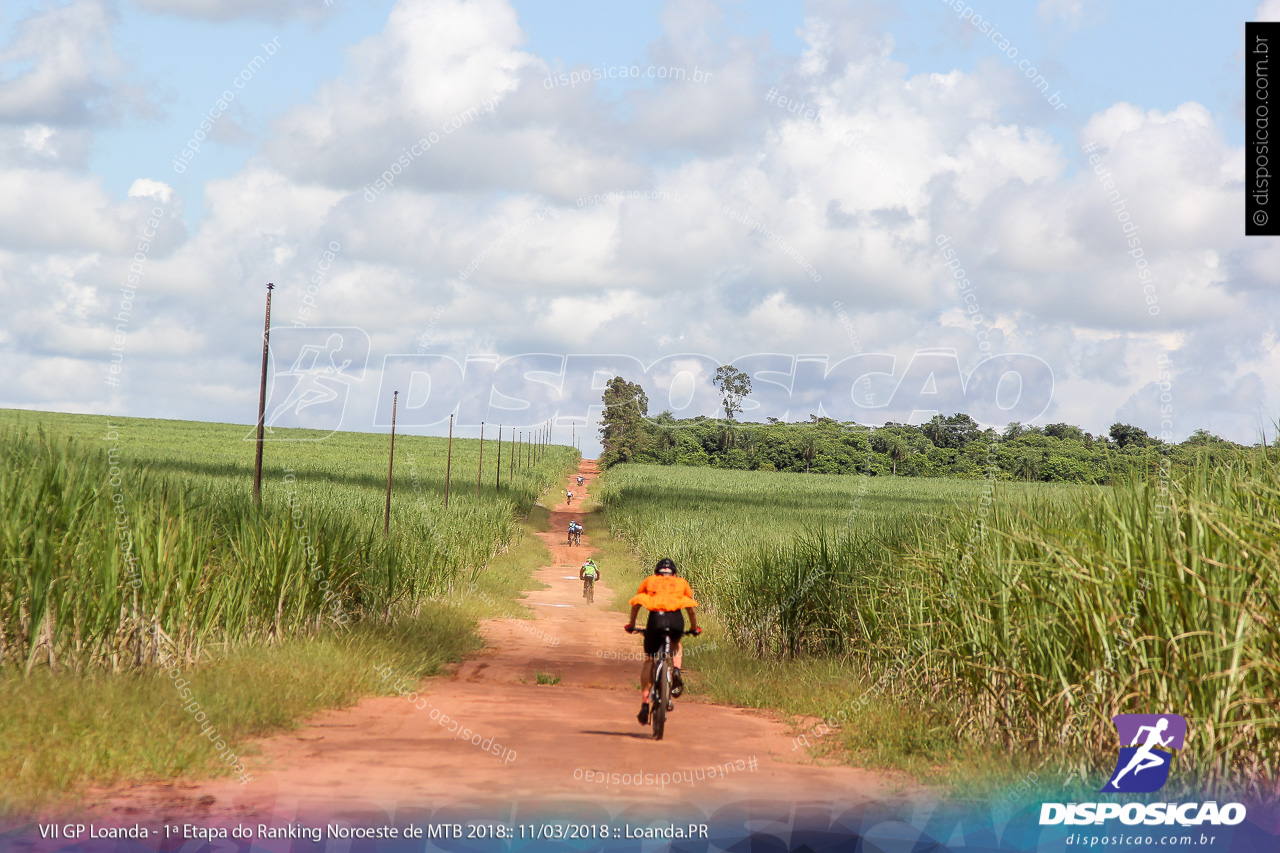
point(588, 574)
point(579, 479)
point(569, 497)
point(663, 594)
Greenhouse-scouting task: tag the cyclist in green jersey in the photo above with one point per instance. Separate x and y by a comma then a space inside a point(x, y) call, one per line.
point(589, 573)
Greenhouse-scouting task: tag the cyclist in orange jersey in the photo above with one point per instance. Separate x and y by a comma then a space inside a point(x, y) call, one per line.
point(664, 595)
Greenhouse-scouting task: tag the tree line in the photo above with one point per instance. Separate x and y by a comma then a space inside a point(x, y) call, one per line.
point(945, 446)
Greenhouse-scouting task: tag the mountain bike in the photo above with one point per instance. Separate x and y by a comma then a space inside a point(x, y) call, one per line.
point(589, 589)
point(660, 701)
point(577, 537)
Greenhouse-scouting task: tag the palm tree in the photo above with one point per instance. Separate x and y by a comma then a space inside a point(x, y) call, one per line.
point(897, 450)
point(808, 449)
point(667, 443)
point(728, 436)
point(1025, 466)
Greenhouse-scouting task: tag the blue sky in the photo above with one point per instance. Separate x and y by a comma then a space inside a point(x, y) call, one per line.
point(950, 139)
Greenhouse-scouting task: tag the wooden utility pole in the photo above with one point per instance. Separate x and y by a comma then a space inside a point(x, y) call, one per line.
point(262, 402)
point(511, 475)
point(391, 462)
point(480, 464)
point(497, 476)
point(448, 464)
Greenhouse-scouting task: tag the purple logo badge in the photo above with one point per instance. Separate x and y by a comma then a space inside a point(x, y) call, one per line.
point(1143, 765)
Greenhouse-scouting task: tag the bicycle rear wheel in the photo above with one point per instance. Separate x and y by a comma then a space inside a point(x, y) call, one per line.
point(591, 592)
point(660, 697)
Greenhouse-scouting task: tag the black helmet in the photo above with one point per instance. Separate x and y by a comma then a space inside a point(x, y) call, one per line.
point(664, 564)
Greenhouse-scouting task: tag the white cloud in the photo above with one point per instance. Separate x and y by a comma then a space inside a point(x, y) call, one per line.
point(147, 188)
point(56, 210)
point(1068, 12)
point(1268, 10)
point(438, 72)
point(61, 67)
point(222, 10)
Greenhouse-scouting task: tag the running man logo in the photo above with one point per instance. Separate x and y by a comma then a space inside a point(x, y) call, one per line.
point(1142, 766)
point(313, 369)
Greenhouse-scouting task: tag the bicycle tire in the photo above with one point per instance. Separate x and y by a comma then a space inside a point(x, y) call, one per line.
point(660, 696)
point(591, 592)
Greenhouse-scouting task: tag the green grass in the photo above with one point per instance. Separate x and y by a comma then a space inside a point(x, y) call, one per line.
point(547, 678)
point(146, 548)
point(1017, 623)
point(225, 593)
point(61, 733)
point(889, 732)
point(738, 536)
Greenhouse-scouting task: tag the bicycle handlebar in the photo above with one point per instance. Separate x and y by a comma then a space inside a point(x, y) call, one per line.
point(632, 629)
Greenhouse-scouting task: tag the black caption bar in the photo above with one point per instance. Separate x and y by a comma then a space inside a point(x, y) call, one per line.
point(1262, 194)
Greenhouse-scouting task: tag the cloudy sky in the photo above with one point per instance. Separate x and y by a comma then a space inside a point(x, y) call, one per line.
point(518, 197)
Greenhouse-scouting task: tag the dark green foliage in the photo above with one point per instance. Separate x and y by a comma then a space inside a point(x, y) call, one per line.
point(622, 432)
point(1125, 435)
point(952, 446)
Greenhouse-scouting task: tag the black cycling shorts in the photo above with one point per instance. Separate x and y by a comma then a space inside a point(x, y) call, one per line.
point(662, 622)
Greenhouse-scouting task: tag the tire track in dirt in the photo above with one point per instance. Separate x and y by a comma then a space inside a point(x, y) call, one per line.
point(388, 755)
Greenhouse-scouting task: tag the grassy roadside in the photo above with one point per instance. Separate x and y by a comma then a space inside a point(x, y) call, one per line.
point(62, 734)
point(876, 728)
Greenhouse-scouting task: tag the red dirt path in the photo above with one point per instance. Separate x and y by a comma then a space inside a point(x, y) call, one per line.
point(387, 756)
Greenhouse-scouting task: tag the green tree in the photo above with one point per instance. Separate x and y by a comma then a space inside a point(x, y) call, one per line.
point(1065, 432)
point(955, 431)
point(936, 430)
point(733, 385)
point(1013, 430)
point(808, 448)
point(896, 448)
point(622, 433)
point(726, 437)
point(1203, 437)
point(1026, 466)
point(1125, 435)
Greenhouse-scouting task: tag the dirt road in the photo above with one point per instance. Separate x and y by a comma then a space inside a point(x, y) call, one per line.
point(530, 742)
